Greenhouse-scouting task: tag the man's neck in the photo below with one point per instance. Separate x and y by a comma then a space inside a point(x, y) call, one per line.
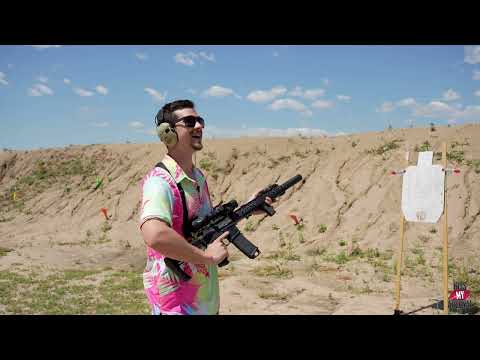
point(184, 160)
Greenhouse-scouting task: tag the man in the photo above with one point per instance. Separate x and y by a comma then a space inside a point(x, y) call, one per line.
point(162, 219)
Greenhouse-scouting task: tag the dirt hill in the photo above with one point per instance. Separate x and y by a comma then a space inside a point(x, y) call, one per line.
point(58, 253)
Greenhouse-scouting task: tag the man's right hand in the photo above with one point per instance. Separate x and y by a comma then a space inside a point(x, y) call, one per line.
point(217, 251)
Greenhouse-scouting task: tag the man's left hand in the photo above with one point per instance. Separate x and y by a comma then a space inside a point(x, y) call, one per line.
point(268, 200)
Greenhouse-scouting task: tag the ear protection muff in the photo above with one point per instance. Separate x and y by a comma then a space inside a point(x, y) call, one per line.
point(165, 131)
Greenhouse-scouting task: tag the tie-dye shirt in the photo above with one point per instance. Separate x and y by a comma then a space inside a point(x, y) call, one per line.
point(166, 293)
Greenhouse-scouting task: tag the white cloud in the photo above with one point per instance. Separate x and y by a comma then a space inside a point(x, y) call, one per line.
point(83, 92)
point(477, 93)
point(101, 89)
point(218, 91)
point(386, 107)
point(100, 124)
point(43, 47)
point(406, 102)
point(472, 54)
point(188, 58)
point(141, 56)
point(344, 98)
point(2, 79)
point(297, 91)
point(156, 96)
point(309, 94)
point(66, 81)
point(313, 93)
point(290, 104)
point(476, 75)
point(43, 79)
point(207, 57)
point(434, 109)
point(184, 59)
point(136, 124)
point(450, 95)
point(326, 82)
point(261, 96)
point(322, 104)
point(470, 113)
point(39, 90)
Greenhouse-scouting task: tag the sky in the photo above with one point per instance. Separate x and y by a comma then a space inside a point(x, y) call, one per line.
point(57, 95)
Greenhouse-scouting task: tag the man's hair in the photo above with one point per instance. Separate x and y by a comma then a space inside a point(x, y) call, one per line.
point(169, 108)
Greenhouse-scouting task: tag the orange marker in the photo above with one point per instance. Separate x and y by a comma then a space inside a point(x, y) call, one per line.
point(295, 218)
point(104, 211)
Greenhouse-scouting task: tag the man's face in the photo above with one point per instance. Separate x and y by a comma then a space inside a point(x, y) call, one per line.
point(188, 136)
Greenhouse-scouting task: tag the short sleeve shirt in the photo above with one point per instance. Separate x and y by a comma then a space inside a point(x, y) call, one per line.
point(166, 293)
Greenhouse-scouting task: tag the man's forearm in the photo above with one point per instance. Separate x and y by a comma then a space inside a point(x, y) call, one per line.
point(170, 244)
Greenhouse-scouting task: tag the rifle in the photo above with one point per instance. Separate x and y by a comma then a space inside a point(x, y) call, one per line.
point(224, 217)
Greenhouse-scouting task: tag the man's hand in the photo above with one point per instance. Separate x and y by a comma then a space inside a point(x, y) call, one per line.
point(217, 251)
point(267, 200)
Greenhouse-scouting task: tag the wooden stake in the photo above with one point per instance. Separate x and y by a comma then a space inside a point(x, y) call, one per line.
point(445, 233)
point(400, 250)
point(399, 260)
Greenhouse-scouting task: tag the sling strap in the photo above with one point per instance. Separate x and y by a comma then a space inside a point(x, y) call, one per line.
point(187, 232)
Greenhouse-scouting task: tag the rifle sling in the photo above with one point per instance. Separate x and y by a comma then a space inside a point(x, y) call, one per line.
point(187, 233)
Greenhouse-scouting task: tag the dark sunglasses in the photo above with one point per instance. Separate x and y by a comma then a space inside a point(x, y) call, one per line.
point(191, 120)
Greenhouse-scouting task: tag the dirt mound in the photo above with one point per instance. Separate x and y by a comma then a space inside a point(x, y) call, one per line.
point(340, 258)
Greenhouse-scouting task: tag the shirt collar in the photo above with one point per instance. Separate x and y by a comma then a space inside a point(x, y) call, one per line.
point(176, 170)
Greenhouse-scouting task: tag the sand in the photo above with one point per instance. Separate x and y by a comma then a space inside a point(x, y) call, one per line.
point(347, 189)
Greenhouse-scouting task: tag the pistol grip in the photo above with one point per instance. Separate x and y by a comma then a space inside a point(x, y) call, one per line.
point(224, 262)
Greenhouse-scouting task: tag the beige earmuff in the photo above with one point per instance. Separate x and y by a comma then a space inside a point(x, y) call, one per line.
point(167, 134)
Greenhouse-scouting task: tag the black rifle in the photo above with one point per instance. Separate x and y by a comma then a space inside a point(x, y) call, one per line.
point(224, 218)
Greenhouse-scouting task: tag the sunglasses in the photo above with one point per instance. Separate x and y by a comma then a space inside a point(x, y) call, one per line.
point(191, 120)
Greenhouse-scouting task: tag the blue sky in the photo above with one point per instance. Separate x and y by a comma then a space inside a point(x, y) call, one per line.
point(52, 95)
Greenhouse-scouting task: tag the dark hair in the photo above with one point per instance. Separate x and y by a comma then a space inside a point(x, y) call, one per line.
point(169, 108)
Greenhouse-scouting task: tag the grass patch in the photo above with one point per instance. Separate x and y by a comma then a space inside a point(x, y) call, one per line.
point(457, 156)
point(316, 252)
point(61, 293)
point(277, 271)
point(385, 148)
point(475, 164)
point(424, 147)
point(46, 174)
point(285, 254)
point(467, 274)
point(322, 228)
point(6, 219)
point(4, 251)
point(273, 296)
